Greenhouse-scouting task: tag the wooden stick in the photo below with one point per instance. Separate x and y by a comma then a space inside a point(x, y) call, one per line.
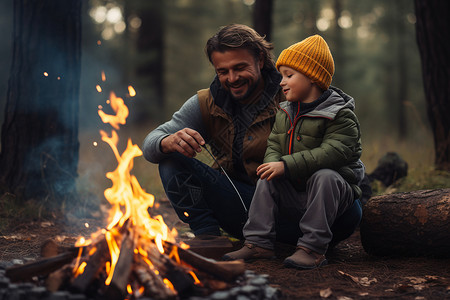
point(153, 284)
point(117, 289)
point(175, 273)
point(94, 265)
point(39, 268)
point(225, 270)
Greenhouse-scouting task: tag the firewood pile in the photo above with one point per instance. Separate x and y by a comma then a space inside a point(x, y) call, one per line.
point(135, 256)
point(83, 272)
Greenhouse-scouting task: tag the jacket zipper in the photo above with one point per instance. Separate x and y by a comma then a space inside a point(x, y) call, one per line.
point(293, 124)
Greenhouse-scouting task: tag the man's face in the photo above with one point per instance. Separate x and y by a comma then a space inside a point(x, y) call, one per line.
point(238, 71)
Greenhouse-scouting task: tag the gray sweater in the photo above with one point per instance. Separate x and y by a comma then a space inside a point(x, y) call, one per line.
point(188, 115)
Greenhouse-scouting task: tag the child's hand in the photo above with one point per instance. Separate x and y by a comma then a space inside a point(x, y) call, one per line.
point(270, 170)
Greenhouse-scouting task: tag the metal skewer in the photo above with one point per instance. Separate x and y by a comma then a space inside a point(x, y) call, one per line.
point(229, 179)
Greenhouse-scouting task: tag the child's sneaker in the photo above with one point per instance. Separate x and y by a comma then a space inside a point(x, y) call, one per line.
point(305, 258)
point(249, 252)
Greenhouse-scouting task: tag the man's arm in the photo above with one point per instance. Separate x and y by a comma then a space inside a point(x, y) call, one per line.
point(188, 116)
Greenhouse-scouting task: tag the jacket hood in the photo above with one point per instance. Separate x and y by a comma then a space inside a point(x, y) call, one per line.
point(328, 108)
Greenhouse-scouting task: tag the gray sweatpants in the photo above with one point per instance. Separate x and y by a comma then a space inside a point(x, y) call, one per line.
point(327, 196)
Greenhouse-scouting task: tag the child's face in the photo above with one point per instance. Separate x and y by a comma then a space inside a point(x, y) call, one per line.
point(296, 86)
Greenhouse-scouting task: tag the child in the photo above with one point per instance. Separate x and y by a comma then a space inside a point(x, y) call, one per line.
point(309, 179)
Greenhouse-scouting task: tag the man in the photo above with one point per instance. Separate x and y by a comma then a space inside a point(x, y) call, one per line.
point(234, 116)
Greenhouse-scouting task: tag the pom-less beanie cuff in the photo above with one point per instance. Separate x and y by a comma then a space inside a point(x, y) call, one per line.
point(311, 57)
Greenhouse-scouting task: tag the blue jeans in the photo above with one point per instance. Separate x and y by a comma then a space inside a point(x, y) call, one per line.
point(203, 197)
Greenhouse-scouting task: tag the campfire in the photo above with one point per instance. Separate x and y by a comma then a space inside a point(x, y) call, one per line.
point(136, 255)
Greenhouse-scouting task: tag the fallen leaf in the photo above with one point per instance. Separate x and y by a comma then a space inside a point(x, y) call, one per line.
point(364, 281)
point(344, 298)
point(46, 224)
point(326, 293)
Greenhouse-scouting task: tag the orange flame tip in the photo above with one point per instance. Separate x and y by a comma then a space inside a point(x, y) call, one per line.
point(119, 108)
point(168, 284)
point(80, 269)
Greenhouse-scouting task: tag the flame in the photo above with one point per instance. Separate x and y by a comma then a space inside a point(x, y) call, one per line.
point(103, 76)
point(80, 269)
point(99, 88)
point(168, 284)
point(129, 207)
point(114, 250)
point(131, 91)
point(119, 108)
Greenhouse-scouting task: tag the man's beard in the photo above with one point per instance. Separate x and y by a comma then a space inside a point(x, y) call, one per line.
point(250, 89)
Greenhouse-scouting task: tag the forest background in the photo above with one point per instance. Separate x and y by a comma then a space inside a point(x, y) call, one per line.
point(158, 47)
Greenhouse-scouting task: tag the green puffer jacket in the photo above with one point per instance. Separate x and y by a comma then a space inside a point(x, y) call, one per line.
point(327, 137)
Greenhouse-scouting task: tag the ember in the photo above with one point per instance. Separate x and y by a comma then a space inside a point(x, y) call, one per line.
point(136, 255)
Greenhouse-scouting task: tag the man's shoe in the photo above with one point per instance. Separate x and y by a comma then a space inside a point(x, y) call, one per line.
point(305, 258)
point(250, 252)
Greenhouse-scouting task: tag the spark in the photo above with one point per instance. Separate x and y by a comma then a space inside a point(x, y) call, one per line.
point(131, 91)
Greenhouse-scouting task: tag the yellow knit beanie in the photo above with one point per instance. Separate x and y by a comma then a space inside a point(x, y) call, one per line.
point(312, 58)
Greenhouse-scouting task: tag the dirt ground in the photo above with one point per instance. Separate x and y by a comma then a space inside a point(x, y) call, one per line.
point(350, 274)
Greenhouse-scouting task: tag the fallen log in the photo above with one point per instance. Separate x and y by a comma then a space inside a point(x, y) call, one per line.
point(407, 224)
point(41, 267)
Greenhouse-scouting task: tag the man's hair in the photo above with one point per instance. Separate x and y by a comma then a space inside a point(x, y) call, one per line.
point(237, 36)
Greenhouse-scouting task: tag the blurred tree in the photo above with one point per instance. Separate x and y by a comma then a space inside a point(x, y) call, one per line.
point(339, 49)
point(262, 17)
point(402, 69)
point(433, 30)
point(148, 39)
point(39, 139)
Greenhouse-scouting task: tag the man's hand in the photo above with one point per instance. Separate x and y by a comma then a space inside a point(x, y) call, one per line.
point(186, 141)
point(270, 170)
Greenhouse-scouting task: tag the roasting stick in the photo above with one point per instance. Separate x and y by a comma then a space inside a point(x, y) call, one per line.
point(229, 179)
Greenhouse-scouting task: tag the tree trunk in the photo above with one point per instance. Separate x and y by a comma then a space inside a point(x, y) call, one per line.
point(149, 51)
point(338, 48)
point(433, 30)
point(407, 224)
point(402, 71)
point(39, 138)
point(262, 18)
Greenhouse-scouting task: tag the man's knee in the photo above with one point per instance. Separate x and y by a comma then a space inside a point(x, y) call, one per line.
point(171, 166)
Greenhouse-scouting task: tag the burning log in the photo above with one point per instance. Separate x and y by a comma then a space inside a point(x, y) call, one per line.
point(226, 270)
point(42, 267)
point(117, 287)
point(92, 269)
point(153, 284)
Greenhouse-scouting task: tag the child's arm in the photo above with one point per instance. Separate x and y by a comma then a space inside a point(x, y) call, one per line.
point(340, 147)
point(273, 151)
point(273, 166)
